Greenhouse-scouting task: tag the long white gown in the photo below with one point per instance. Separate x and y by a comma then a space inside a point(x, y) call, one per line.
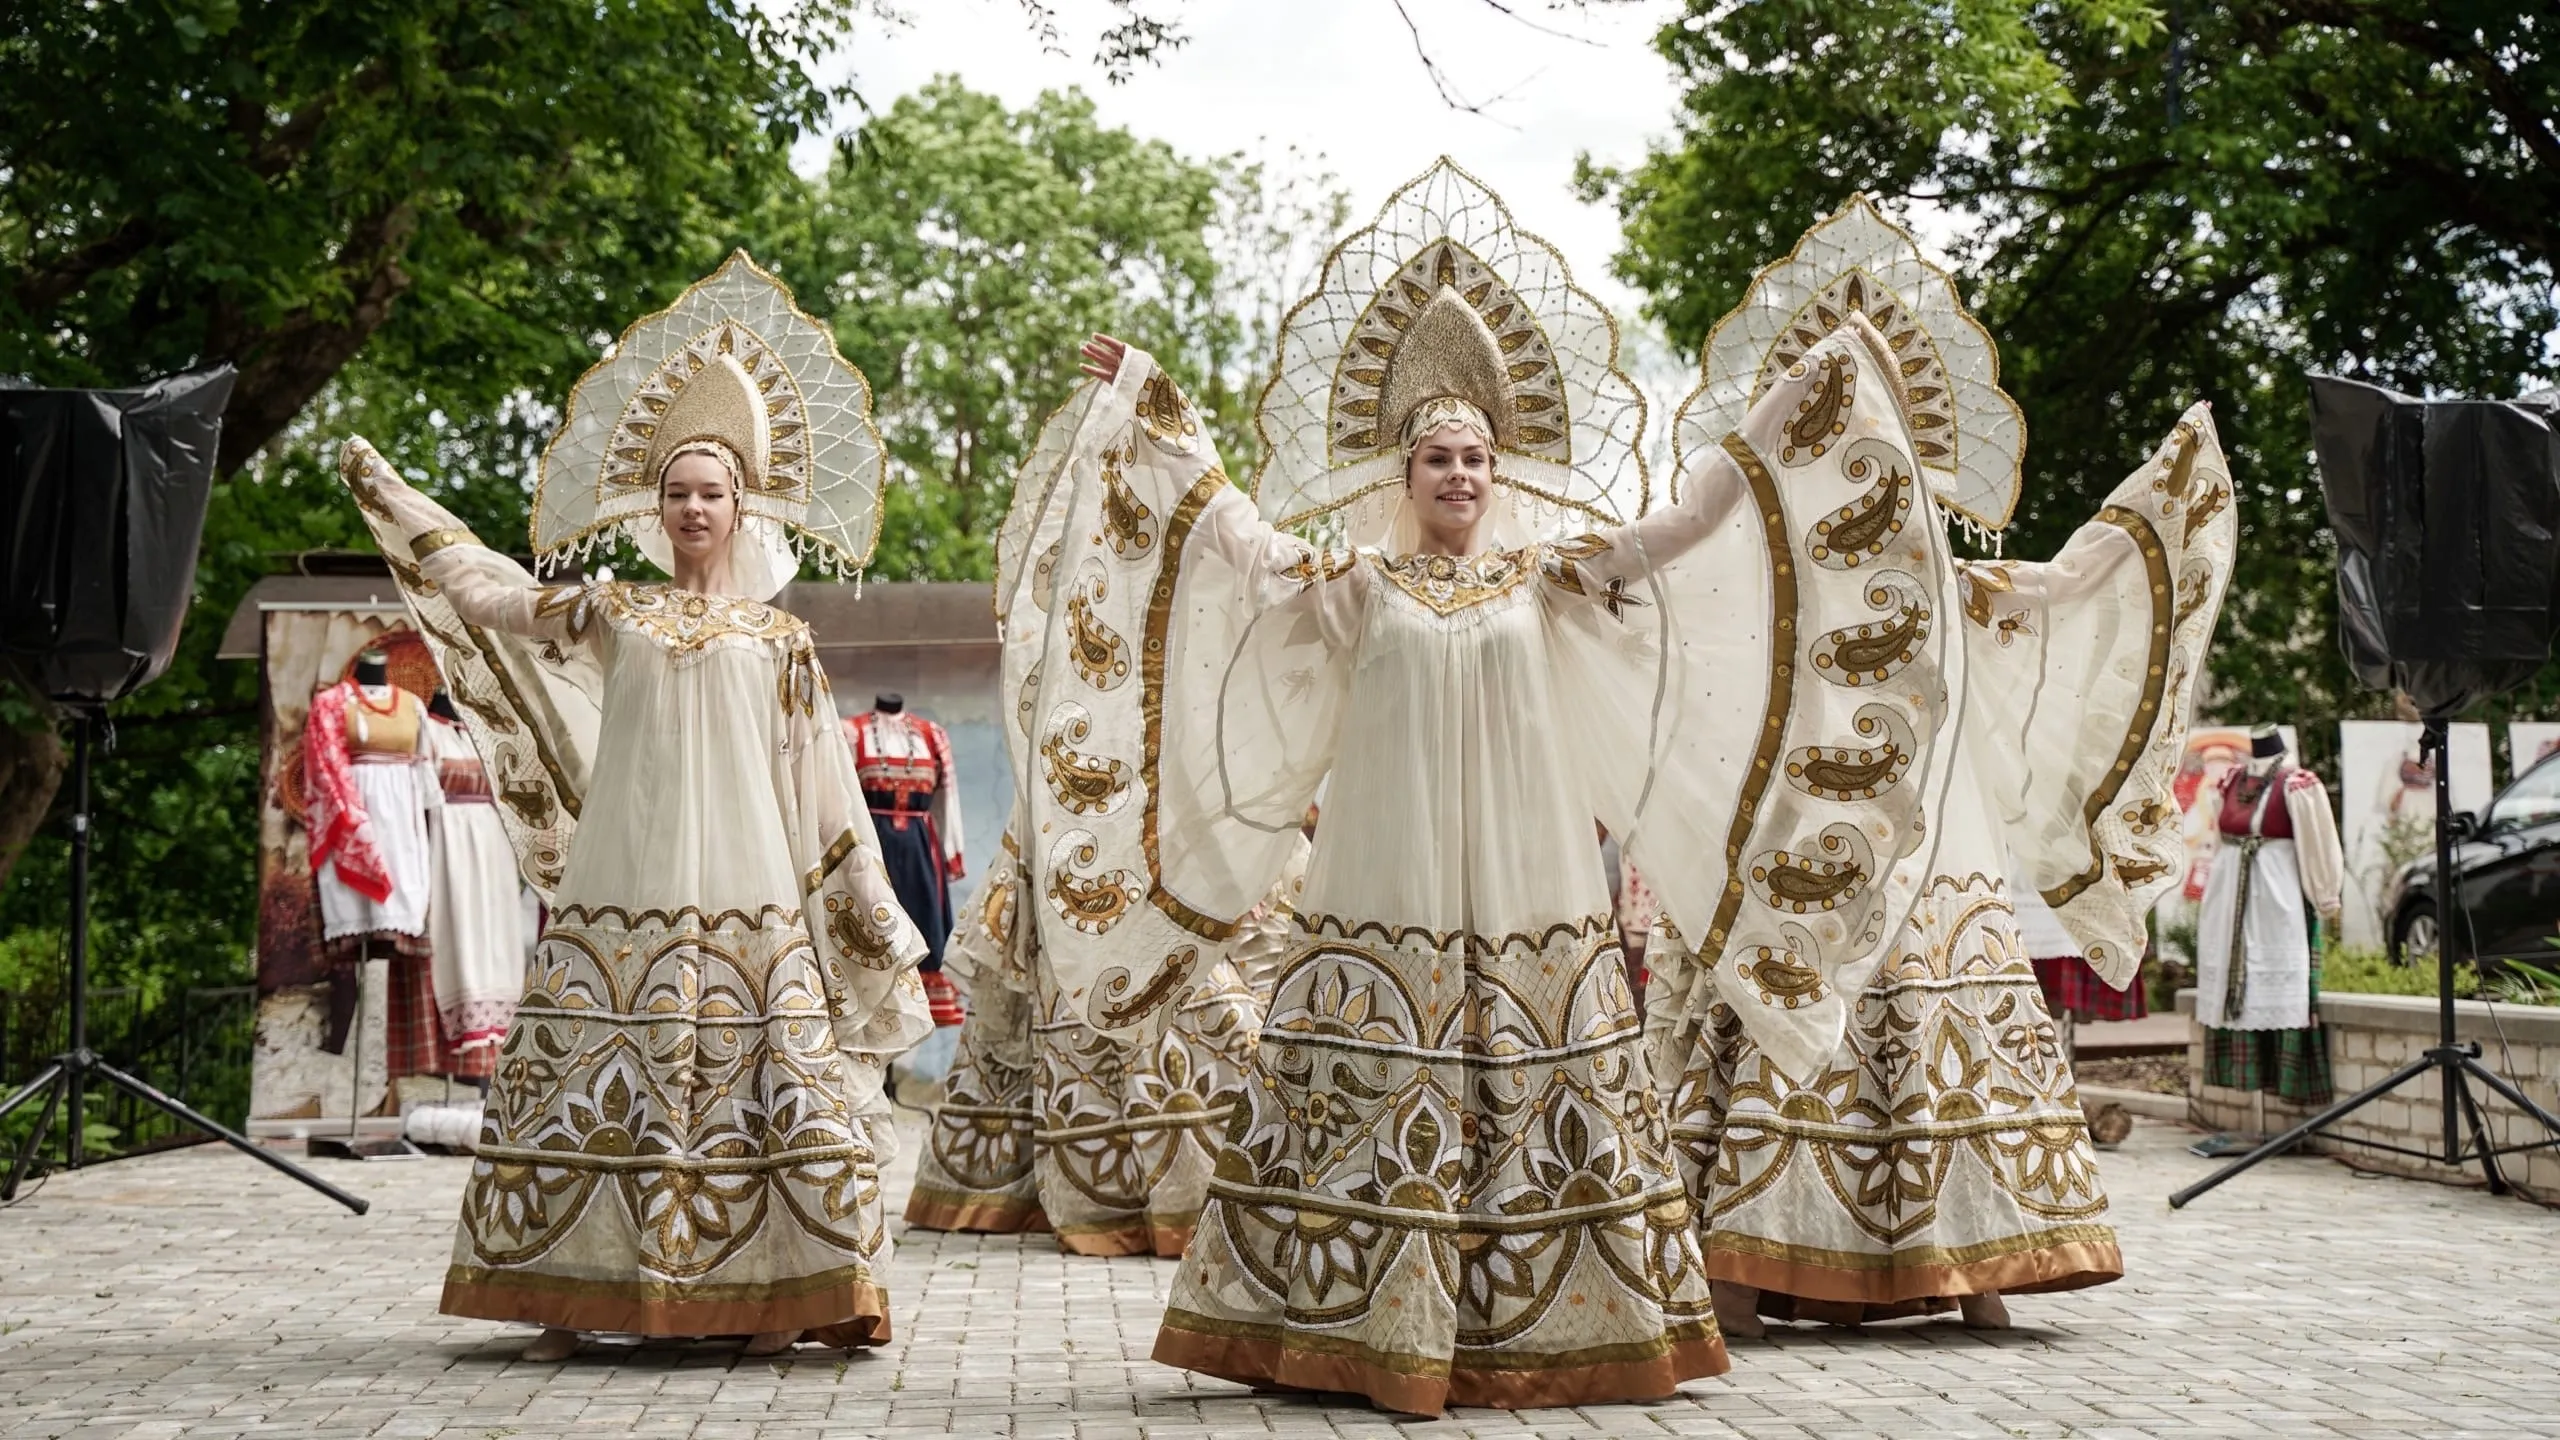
point(686, 1130)
point(1449, 1183)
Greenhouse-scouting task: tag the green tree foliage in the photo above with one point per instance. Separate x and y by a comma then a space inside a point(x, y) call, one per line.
point(965, 251)
point(2152, 207)
point(962, 250)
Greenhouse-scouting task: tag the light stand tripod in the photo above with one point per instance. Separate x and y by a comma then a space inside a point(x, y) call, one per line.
point(2456, 1063)
point(66, 1076)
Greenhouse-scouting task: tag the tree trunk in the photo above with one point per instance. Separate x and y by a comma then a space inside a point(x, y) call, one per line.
point(31, 766)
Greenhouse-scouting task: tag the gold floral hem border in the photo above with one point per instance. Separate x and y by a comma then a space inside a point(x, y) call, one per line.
point(2067, 1257)
point(1275, 1355)
point(843, 1299)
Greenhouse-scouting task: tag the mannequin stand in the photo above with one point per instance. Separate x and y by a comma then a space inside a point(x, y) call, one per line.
point(2457, 1062)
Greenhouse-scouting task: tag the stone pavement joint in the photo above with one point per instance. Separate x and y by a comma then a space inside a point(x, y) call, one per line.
point(196, 1294)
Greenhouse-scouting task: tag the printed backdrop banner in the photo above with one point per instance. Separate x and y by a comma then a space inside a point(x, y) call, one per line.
point(2528, 741)
point(2387, 804)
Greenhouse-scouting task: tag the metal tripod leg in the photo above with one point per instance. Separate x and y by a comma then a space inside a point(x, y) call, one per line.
point(2506, 1090)
point(2295, 1136)
point(52, 1083)
point(2453, 1076)
point(28, 1091)
point(241, 1143)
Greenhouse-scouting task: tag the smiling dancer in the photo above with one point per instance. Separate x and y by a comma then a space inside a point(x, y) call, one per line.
point(686, 1128)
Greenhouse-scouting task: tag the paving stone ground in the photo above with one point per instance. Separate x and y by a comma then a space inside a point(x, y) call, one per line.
point(197, 1294)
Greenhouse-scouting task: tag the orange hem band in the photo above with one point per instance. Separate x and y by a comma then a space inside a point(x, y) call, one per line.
point(1273, 1362)
point(1164, 1242)
point(2069, 1265)
point(855, 1312)
point(976, 1213)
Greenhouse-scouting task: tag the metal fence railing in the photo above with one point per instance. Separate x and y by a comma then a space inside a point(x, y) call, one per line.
point(196, 1044)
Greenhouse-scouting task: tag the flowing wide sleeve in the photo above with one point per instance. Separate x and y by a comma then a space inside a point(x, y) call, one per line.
point(2083, 673)
point(520, 659)
point(1177, 667)
point(867, 947)
point(1755, 679)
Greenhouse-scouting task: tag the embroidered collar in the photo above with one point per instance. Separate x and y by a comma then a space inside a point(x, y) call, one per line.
point(1449, 583)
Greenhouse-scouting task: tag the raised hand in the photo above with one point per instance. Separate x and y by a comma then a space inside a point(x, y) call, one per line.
point(1102, 356)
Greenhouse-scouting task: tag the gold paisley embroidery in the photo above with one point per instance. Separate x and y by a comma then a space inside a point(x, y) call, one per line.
point(863, 932)
point(1821, 418)
point(1100, 655)
point(1167, 415)
point(1084, 784)
point(1861, 530)
point(1092, 904)
point(1783, 611)
point(1127, 524)
point(1795, 882)
point(1782, 978)
point(2146, 710)
point(1168, 978)
point(1872, 653)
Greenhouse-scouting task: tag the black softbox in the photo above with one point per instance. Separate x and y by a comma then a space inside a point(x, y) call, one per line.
point(2447, 514)
point(102, 501)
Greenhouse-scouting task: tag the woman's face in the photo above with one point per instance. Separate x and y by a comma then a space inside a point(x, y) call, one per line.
point(1450, 481)
point(698, 506)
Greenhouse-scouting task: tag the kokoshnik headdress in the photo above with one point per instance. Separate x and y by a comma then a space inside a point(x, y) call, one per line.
point(735, 370)
point(1444, 311)
point(1967, 434)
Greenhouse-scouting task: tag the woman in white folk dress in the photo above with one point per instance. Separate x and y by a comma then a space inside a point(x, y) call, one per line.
point(686, 1129)
point(1448, 1180)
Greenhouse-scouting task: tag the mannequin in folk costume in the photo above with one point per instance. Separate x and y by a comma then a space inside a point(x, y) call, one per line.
point(1974, 727)
point(1445, 1129)
point(903, 762)
point(2257, 975)
point(687, 1127)
point(477, 918)
point(371, 785)
point(1049, 1124)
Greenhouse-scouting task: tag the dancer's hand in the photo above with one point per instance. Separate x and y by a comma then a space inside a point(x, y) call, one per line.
point(1102, 357)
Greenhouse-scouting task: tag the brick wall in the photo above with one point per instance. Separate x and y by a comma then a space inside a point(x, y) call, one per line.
point(2371, 1036)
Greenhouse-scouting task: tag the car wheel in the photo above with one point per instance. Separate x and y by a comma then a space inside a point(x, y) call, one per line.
point(2413, 939)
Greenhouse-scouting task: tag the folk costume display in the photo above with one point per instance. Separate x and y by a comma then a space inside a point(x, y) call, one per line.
point(477, 917)
point(2257, 975)
point(370, 783)
point(903, 762)
point(1049, 1124)
point(1449, 1181)
point(686, 1129)
point(1870, 1101)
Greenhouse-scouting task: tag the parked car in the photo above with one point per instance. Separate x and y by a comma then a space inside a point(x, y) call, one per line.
point(2506, 871)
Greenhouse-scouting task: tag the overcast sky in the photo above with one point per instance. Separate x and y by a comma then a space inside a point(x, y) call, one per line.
point(1340, 77)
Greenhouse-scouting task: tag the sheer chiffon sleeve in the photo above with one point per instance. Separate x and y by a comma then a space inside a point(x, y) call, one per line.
point(1177, 667)
point(1756, 680)
point(521, 660)
point(2084, 672)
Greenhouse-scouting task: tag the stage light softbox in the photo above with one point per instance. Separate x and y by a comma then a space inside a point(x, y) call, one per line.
point(2447, 514)
point(102, 501)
